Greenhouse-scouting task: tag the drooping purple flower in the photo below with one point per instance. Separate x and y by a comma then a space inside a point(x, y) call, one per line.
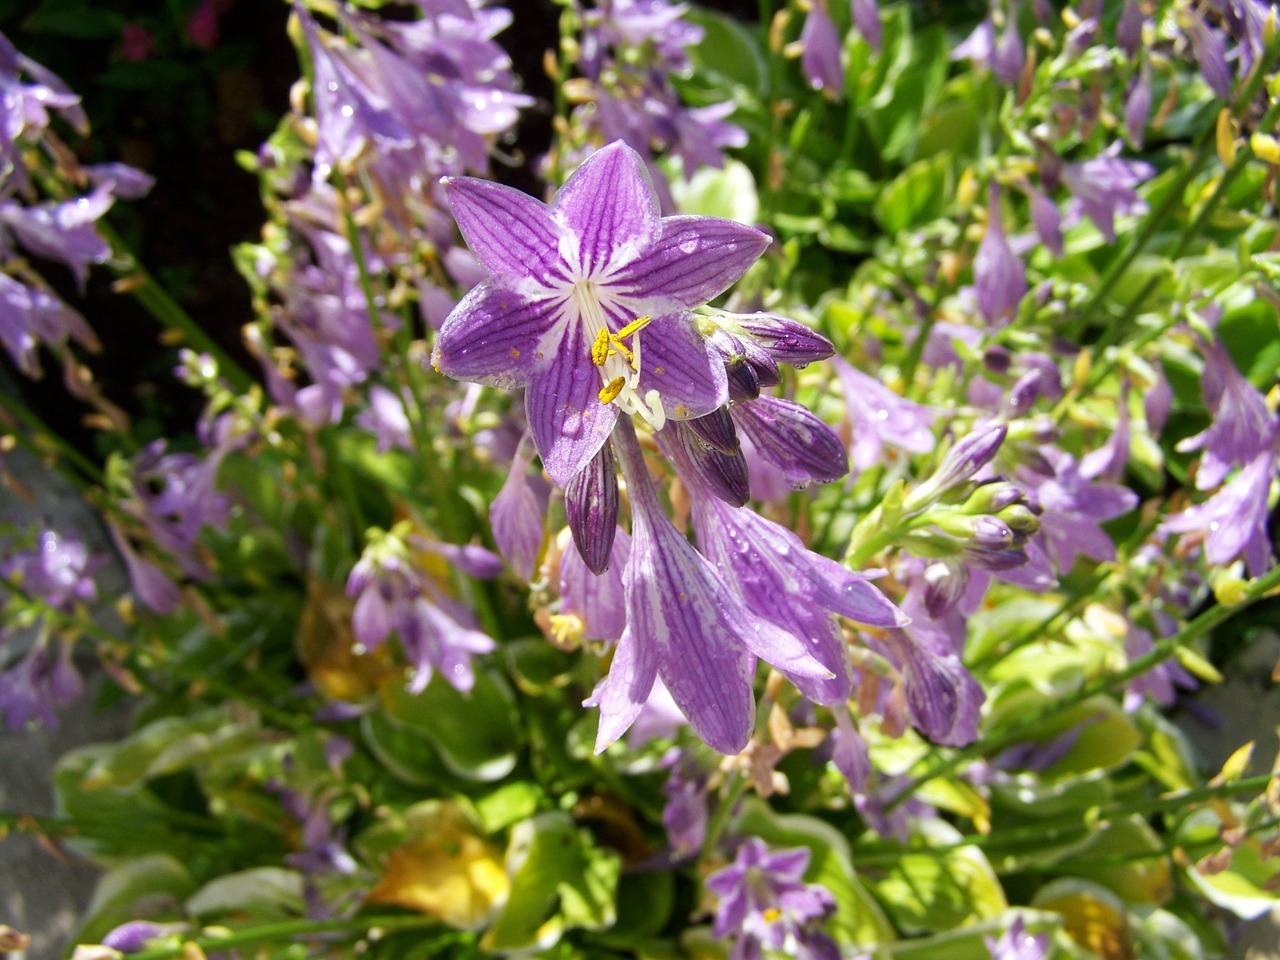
point(517, 517)
point(393, 592)
point(36, 686)
point(25, 103)
point(764, 902)
point(1241, 427)
point(588, 304)
point(979, 46)
point(1103, 187)
point(683, 623)
point(1016, 943)
point(1211, 54)
point(58, 570)
point(386, 419)
point(1047, 220)
point(595, 602)
point(1073, 508)
point(1137, 106)
point(793, 439)
point(1158, 682)
point(821, 57)
point(1108, 462)
point(1129, 28)
point(881, 418)
point(866, 18)
point(943, 698)
point(800, 592)
point(685, 813)
point(1233, 522)
point(999, 277)
point(65, 231)
point(1009, 55)
point(150, 584)
point(32, 315)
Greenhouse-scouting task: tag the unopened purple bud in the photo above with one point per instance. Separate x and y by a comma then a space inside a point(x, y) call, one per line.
point(971, 453)
point(994, 496)
point(591, 506)
point(788, 341)
point(792, 438)
point(945, 582)
point(1023, 393)
point(998, 276)
point(997, 359)
point(133, 936)
point(1009, 56)
point(1129, 28)
point(1021, 519)
point(724, 475)
point(744, 382)
point(1047, 220)
point(989, 533)
point(1211, 53)
point(716, 430)
point(762, 362)
point(866, 17)
point(1006, 558)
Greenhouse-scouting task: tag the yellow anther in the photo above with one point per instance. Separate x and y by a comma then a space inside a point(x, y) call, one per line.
point(600, 349)
point(611, 389)
point(635, 326)
point(772, 914)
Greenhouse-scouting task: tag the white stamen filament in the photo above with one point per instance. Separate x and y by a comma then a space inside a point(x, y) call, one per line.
point(618, 364)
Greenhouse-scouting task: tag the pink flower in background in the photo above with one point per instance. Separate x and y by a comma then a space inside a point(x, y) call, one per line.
point(137, 43)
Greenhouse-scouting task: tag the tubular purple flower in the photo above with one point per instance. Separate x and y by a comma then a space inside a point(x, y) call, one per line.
point(1211, 53)
point(1047, 220)
point(1137, 106)
point(1103, 187)
point(880, 417)
point(1233, 522)
point(32, 315)
point(1129, 28)
point(944, 699)
point(597, 601)
point(683, 623)
point(588, 304)
point(724, 474)
point(1242, 426)
point(821, 57)
point(966, 457)
point(516, 517)
point(866, 18)
point(1017, 944)
point(1009, 55)
point(999, 277)
point(65, 232)
point(1073, 509)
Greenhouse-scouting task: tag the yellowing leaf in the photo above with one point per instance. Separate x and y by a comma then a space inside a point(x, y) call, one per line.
point(326, 646)
point(447, 870)
point(1091, 916)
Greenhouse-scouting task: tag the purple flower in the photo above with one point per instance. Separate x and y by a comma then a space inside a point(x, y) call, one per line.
point(1108, 462)
point(1137, 106)
point(800, 592)
point(588, 304)
point(31, 315)
point(38, 685)
point(1009, 55)
point(999, 277)
point(517, 517)
point(1017, 944)
point(65, 232)
point(866, 17)
point(1046, 219)
point(821, 57)
point(1129, 28)
point(943, 698)
point(58, 571)
point(1159, 681)
point(1233, 522)
point(684, 815)
point(133, 937)
point(1103, 187)
point(1211, 53)
point(881, 418)
point(593, 605)
point(393, 592)
point(1073, 509)
point(764, 902)
point(1242, 426)
point(386, 419)
point(151, 584)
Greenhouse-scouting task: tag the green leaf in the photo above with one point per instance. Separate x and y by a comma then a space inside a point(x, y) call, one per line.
point(159, 878)
point(729, 192)
point(559, 879)
point(508, 804)
point(76, 18)
point(262, 894)
point(476, 733)
point(916, 196)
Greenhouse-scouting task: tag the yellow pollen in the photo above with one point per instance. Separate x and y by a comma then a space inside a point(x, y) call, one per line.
point(635, 326)
point(772, 914)
point(608, 344)
point(600, 349)
point(610, 391)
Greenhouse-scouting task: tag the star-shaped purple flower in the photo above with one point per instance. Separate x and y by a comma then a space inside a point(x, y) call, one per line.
point(588, 304)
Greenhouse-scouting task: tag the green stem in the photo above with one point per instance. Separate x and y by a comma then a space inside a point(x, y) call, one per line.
point(290, 929)
point(1027, 725)
point(723, 812)
point(157, 302)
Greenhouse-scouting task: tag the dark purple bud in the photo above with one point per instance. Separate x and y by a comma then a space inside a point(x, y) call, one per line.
point(1009, 55)
point(724, 475)
point(133, 936)
point(792, 438)
point(866, 17)
point(716, 430)
point(1008, 558)
point(762, 362)
point(744, 381)
point(997, 359)
point(591, 506)
point(1129, 28)
point(945, 582)
point(1023, 393)
point(788, 341)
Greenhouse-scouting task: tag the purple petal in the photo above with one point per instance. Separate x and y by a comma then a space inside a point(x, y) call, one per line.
point(562, 404)
point(793, 439)
point(821, 58)
point(694, 260)
point(676, 362)
point(621, 695)
point(510, 232)
point(598, 600)
point(517, 518)
point(493, 336)
point(716, 430)
point(722, 475)
point(609, 206)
